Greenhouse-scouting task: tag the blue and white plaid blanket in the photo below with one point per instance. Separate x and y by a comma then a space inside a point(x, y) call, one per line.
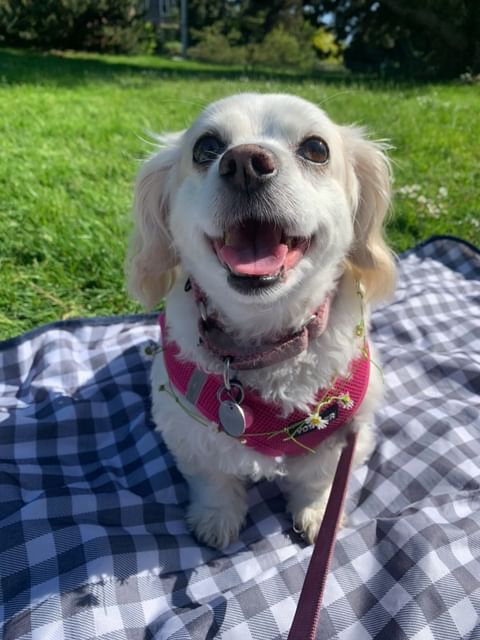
point(93, 542)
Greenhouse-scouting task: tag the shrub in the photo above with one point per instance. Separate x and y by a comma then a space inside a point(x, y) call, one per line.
point(171, 48)
point(214, 46)
point(96, 25)
point(281, 48)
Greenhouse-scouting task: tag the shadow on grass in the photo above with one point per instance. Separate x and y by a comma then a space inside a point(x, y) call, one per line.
point(33, 67)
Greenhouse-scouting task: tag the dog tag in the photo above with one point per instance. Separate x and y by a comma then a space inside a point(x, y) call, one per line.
point(232, 418)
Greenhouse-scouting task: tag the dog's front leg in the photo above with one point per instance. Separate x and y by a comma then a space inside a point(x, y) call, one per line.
point(218, 502)
point(310, 477)
point(308, 486)
point(217, 509)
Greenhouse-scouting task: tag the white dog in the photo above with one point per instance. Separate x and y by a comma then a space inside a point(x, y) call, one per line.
point(263, 224)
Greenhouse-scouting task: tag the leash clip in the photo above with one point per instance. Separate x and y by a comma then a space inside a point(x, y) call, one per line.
point(230, 414)
point(226, 373)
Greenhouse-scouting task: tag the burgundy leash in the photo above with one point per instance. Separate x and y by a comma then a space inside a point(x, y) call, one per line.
point(307, 615)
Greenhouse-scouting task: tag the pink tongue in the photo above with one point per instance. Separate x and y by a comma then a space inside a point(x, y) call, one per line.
point(247, 262)
point(254, 251)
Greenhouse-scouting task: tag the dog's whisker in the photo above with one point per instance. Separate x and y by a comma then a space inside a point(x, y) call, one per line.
point(333, 96)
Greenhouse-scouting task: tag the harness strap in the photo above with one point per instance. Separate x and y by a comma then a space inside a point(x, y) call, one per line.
point(307, 614)
point(266, 430)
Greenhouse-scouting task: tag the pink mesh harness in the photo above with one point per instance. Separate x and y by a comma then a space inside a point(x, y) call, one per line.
point(266, 430)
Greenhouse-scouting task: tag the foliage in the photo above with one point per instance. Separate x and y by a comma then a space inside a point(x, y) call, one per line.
point(172, 48)
point(278, 48)
point(252, 32)
point(326, 45)
point(74, 130)
point(432, 38)
point(215, 46)
point(251, 20)
point(95, 25)
point(203, 14)
point(283, 49)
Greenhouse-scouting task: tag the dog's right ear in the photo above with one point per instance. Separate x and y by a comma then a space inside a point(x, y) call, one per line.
point(151, 258)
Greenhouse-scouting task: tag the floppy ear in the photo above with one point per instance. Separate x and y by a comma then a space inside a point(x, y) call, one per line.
point(371, 259)
point(151, 258)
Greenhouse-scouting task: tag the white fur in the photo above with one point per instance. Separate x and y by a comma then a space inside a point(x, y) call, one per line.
point(343, 205)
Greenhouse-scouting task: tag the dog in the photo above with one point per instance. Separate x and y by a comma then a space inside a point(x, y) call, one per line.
point(262, 224)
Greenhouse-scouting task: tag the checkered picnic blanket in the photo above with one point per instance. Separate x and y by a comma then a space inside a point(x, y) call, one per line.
point(93, 542)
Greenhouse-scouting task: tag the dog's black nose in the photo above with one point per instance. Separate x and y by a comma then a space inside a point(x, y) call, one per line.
point(248, 166)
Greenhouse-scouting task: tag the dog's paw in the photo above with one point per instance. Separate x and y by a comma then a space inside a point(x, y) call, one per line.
point(218, 505)
point(308, 520)
point(216, 526)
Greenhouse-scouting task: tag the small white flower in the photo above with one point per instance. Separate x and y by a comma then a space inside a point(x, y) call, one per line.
point(347, 402)
point(316, 420)
point(443, 192)
point(409, 190)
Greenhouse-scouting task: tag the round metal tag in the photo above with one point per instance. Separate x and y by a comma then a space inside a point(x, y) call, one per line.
point(232, 418)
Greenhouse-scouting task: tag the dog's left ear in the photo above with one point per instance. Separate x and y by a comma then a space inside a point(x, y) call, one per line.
point(369, 185)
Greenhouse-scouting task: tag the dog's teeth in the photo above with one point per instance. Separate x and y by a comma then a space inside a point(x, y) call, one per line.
point(226, 237)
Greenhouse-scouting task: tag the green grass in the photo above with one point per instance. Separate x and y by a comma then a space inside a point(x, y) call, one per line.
point(73, 131)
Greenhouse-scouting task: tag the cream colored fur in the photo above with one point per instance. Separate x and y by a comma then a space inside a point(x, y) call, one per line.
point(343, 206)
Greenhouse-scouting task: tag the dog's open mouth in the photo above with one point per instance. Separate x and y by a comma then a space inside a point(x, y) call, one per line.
point(258, 254)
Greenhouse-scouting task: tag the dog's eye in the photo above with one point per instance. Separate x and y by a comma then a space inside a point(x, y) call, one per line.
point(314, 150)
point(207, 149)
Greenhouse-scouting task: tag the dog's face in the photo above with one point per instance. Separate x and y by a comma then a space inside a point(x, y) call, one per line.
point(262, 196)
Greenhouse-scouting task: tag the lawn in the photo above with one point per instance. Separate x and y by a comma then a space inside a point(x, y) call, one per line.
point(74, 129)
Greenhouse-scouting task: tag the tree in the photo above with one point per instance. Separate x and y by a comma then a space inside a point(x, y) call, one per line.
point(434, 37)
point(98, 25)
point(249, 20)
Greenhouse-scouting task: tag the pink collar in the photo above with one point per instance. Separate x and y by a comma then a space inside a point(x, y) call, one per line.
point(266, 430)
point(217, 341)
